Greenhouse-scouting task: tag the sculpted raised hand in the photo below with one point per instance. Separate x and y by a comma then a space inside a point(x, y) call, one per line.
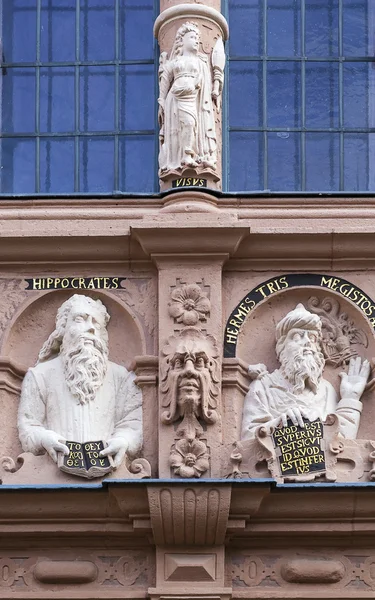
point(354, 381)
point(298, 389)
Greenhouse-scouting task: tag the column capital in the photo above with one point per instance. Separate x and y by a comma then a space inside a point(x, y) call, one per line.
point(187, 11)
point(161, 242)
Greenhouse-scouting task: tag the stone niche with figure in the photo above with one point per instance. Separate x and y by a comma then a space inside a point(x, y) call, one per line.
point(74, 396)
point(191, 79)
point(302, 405)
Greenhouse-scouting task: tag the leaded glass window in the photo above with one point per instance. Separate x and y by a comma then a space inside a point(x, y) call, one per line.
point(301, 95)
point(77, 96)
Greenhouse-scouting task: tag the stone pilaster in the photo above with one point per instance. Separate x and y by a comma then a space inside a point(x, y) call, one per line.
point(201, 165)
point(190, 342)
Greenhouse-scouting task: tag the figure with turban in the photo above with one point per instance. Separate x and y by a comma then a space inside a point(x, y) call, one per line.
point(297, 390)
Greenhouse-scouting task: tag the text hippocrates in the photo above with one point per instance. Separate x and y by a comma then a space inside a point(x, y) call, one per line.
point(299, 448)
point(74, 283)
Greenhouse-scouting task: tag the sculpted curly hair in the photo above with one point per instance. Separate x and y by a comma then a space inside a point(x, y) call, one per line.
point(183, 30)
point(52, 346)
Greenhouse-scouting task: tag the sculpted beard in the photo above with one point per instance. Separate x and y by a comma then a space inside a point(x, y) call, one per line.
point(85, 366)
point(302, 370)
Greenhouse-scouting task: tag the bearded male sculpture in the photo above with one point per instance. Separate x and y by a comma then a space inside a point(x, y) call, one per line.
point(298, 390)
point(75, 393)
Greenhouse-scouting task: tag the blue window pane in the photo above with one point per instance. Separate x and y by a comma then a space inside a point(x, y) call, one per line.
point(57, 32)
point(322, 161)
point(284, 161)
point(57, 99)
point(136, 99)
point(136, 29)
point(356, 26)
point(284, 28)
point(56, 165)
point(245, 94)
point(246, 161)
point(97, 89)
point(358, 155)
point(96, 164)
point(17, 166)
point(284, 94)
point(137, 159)
point(322, 28)
point(356, 94)
point(246, 23)
point(19, 31)
point(18, 100)
point(322, 97)
point(97, 22)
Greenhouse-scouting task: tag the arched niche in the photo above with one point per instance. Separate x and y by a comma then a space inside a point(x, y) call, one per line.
point(256, 340)
point(32, 325)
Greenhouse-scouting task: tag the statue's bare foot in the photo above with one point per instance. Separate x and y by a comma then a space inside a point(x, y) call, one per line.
point(189, 162)
point(209, 164)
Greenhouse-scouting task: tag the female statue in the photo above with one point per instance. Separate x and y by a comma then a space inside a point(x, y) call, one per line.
point(187, 95)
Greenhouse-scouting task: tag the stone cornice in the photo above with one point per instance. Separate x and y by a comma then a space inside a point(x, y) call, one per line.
point(288, 541)
point(216, 240)
point(191, 11)
point(285, 233)
point(255, 510)
point(341, 211)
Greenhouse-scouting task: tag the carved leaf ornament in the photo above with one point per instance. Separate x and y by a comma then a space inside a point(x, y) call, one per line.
point(338, 330)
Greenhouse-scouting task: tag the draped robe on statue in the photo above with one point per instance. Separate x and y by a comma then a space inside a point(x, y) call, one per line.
point(271, 395)
point(185, 87)
point(47, 403)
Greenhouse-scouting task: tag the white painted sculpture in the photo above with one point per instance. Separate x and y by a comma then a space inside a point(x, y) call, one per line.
point(298, 390)
point(189, 88)
point(75, 393)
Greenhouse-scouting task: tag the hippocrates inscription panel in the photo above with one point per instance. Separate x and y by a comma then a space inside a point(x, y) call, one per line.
point(282, 283)
point(75, 283)
point(299, 449)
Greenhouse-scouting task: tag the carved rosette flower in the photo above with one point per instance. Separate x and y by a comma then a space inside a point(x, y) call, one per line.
point(189, 305)
point(189, 458)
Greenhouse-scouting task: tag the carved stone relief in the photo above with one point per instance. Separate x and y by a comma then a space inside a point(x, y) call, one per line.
point(191, 85)
point(296, 399)
point(339, 332)
point(298, 390)
point(189, 304)
point(12, 294)
point(349, 570)
point(18, 573)
point(137, 293)
point(190, 389)
point(81, 409)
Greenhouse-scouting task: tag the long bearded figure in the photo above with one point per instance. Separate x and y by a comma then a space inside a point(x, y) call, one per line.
point(75, 393)
point(190, 382)
point(302, 364)
point(84, 355)
point(297, 390)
